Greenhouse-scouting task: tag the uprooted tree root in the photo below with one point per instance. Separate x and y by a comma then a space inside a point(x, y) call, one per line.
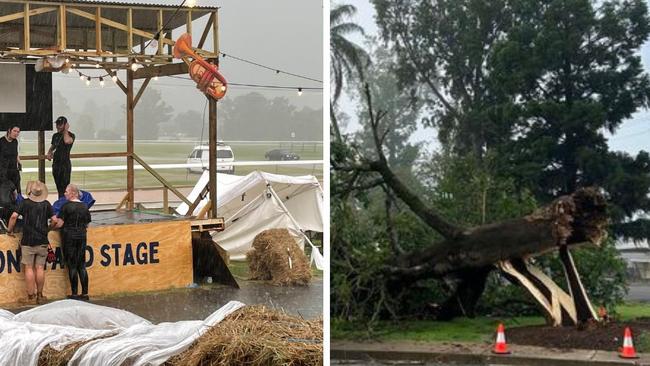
point(276, 257)
point(256, 335)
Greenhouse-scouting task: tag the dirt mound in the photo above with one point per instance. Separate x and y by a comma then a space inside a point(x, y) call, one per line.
point(604, 337)
point(276, 257)
point(256, 335)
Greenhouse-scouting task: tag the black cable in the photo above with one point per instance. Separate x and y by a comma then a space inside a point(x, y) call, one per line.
point(277, 71)
point(157, 35)
point(259, 85)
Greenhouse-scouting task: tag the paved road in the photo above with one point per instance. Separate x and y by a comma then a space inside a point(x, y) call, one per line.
point(639, 292)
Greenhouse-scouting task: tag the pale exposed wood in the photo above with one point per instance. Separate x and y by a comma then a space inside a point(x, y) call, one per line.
point(216, 224)
point(160, 179)
point(199, 198)
point(26, 31)
point(98, 29)
point(206, 30)
point(188, 22)
point(142, 89)
point(10, 17)
point(164, 70)
point(118, 82)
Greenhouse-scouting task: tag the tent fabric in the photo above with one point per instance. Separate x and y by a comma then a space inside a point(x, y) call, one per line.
point(235, 192)
point(133, 340)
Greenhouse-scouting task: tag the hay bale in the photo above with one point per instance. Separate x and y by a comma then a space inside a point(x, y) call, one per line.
point(256, 335)
point(276, 257)
point(51, 357)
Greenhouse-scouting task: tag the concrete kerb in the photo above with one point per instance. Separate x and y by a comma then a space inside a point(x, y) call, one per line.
point(474, 353)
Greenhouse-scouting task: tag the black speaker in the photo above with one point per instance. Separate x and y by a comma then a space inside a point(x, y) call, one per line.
point(38, 117)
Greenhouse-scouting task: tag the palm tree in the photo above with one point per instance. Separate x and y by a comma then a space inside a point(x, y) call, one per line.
point(346, 58)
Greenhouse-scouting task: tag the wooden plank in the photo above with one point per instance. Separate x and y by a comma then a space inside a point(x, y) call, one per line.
point(142, 89)
point(118, 82)
point(160, 34)
point(163, 70)
point(212, 136)
point(206, 30)
point(98, 29)
point(63, 32)
point(120, 259)
point(15, 16)
point(199, 198)
point(80, 155)
point(215, 35)
point(188, 22)
point(160, 178)
point(26, 40)
point(130, 176)
point(202, 9)
point(204, 210)
point(123, 202)
point(129, 29)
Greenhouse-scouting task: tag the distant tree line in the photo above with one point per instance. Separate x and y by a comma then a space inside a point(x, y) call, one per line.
point(248, 117)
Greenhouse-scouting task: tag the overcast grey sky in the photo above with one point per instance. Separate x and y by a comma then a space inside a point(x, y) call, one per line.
point(634, 135)
point(282, 34)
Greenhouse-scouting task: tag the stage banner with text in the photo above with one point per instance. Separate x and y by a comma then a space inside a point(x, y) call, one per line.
point(119, 259)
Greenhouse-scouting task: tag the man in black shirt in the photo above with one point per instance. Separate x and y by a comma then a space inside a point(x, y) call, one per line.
point(9, 160)
point(7, 200)
point(74, 218)
point(60, 148)
point(36, 210)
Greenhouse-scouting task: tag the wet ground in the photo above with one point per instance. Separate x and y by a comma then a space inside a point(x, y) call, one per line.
point(198, 303)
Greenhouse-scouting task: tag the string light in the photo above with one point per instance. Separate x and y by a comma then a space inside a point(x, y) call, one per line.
point(67, 60)
point(114, 78)
point(81, 77)
point(299, 91)
point(223, 88)
point(101, 81)
point(87, 80)
point(155, 78)
point(277, 71)
point(134, 66)
point(191, 3)
point(97, 66)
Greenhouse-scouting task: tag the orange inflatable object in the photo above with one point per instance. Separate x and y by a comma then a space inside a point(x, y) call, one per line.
point(206, 75)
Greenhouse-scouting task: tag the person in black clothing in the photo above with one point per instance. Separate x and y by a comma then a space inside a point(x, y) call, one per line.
point(7, 200)
point(36, 210)
point(62, 142)
point(9, 160)
point(74, 218)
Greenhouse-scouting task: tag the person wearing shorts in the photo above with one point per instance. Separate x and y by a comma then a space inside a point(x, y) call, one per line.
point(36, 212)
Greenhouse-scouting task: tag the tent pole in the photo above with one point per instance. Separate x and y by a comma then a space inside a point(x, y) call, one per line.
point(130, 180)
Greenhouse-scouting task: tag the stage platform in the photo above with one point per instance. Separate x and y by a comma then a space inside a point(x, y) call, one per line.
point(128, 252)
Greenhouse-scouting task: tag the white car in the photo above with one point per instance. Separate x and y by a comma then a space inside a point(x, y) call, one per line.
point(201, 154)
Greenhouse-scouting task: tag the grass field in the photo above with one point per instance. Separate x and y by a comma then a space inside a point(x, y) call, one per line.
point(479, 329)
point(170, 153)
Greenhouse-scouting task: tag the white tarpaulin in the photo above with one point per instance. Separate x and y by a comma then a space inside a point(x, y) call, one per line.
point(302, 196)
point(133, 340)
point(260, 201)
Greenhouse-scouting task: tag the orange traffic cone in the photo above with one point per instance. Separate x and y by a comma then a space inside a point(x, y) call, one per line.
point(628, 347)
point(501, 348)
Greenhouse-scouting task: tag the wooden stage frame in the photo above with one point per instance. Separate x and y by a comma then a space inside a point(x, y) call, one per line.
point(106, 35)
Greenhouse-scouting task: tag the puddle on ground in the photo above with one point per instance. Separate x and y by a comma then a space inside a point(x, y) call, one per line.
point(198, 303)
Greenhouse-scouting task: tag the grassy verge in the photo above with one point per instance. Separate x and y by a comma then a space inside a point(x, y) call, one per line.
point(479, 329)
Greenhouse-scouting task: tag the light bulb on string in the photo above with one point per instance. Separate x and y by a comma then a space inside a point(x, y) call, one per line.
point(190, 3)
point(134, 66)
point(81, 77)
point(88, 81)
point(97, 66)
point(299, 91)
point(101, 81)
point(114, 78)
point(155, 78)
point(67, 60)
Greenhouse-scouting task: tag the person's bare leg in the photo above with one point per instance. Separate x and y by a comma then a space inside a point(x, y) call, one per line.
point(30, 283)
point(40, 279)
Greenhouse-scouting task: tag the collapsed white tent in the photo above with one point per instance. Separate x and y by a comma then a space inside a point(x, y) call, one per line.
point(260, 201)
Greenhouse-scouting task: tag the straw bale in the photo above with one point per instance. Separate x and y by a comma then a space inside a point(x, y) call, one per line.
point(256, 335)
point(276, 257)
point(51, 357)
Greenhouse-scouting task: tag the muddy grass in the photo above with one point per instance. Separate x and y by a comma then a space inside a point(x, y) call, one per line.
point(605, 337)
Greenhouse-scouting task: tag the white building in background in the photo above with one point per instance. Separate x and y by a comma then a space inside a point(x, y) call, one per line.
point(637, 259)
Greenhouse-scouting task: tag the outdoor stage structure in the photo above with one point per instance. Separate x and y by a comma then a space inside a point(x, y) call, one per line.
point(136, 252)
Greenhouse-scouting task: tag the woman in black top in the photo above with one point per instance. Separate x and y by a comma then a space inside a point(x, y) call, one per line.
point(74, 217)
point(9, 160)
